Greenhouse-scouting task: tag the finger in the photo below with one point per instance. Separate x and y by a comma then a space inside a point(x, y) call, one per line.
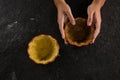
point(90, 18)
point(70, 16)
point(65, 41)
point(61, 23)
point(95, 35)
point(97, 31)
point(98, 26)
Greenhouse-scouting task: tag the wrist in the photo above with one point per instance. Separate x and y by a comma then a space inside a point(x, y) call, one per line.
point(98, 3)
point(58, 2)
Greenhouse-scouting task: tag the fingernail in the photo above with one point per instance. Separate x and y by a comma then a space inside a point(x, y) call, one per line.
point(66, 42)
point(73, 23)
point(93, 42)
point(63, 37)
point(89, 24)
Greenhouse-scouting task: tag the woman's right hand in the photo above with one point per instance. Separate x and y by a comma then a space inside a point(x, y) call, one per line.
point(64, 13)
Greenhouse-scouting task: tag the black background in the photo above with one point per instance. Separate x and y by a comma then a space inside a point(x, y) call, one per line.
point(21, 20)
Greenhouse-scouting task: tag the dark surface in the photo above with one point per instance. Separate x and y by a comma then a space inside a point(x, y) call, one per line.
point(21, 20)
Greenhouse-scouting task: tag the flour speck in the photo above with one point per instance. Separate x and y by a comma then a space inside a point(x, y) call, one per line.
point(12, 24)
point(32, 19)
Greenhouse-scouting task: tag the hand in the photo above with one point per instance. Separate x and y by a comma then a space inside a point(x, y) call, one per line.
point(94, 17)
point(64, 13)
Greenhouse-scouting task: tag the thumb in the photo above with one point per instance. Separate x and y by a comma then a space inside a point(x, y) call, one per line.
point(90, 18)
point(70, 16)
